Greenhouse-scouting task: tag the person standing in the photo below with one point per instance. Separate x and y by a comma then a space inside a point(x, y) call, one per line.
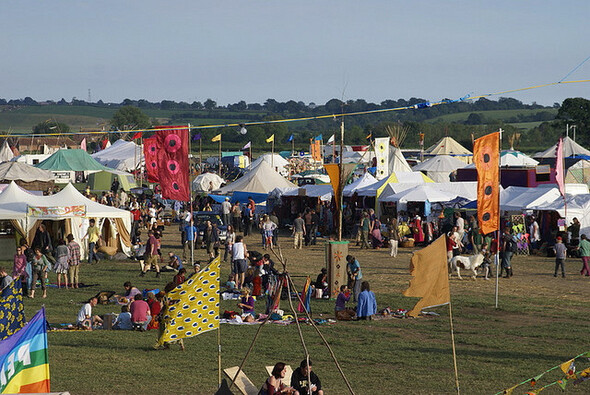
point(365, 227)
point(535, 233)
point(93, 235)
point(62, 258)
point(508, 247)
point(354, 275)
point(152, 255)
point(225, 211)
point(393, 236)
point(584, 249)
point(190, 237)
point(19, 269)
point(236, 217)
point(308, 224)
point(298, 232)
point(460, 224)
point(560, 254)
point(230, 239)
point(42, 240)
point(74, 262)
point(239, 255)
point(574, 230)
point(39, 267)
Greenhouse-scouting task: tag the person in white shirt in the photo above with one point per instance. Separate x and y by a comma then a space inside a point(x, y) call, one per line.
point(460, 224)
point(225, 210)
point(239, 263)
point(535, 233)
point(85, 318)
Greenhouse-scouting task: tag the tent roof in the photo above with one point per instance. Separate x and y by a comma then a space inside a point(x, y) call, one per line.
point(122, 155)
point(23, 172)
point(444, 163)
point(276, 160)
point(363, 181)
point(570, 148)
point(201, 182)
point(71, 160)
point(324, 192)
point(421, 193)
point(6, 153)
point(397, 162)
point(412, 177)
point(16, 199)
point(260, 179)
point(448, 146)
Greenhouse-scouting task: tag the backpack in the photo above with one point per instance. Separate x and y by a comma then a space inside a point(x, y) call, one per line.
point(511, 245)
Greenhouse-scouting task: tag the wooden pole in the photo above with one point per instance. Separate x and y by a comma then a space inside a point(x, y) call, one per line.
point(498, 263)
point(272, 152)
point(219, 169)
point(339, 197)
point(200, 155)
point(190, 189)
point(454, 351)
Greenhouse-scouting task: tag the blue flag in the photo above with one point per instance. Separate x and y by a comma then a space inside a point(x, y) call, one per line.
point(197, 137)
point(319, 137)
point(290, 138)
point(12, 308)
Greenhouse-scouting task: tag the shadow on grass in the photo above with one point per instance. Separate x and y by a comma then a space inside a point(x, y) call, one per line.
point(499, 355)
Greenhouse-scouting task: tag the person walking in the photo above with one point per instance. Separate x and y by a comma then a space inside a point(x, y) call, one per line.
point(152, 255)
point(298, 232)
point(353, 267)
point(365, 227)
point(39, 266)
point(584, 248)
point(560, 254)
point(93, 235)
point(74, 262)
point(508, 247)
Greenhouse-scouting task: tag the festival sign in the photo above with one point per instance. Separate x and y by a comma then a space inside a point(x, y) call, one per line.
point(57, 211)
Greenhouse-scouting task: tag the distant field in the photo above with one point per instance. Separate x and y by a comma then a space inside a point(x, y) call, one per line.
point(492, 115)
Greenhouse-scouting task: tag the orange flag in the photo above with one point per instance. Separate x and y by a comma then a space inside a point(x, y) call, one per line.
point(431, 277)
point(486, 156)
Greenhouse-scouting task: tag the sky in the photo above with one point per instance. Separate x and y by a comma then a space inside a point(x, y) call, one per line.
point(310, 51)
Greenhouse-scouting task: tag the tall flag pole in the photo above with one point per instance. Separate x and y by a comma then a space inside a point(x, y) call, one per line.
point(214, 139)
point(190, 189)
point(560, 172)
point(271, 140)
point(486, 156)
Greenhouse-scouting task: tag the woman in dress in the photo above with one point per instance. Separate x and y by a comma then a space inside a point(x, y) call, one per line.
point(230, 239)
point(19, 269)
point(376, 238)
point(62, 257)
point(40, 265)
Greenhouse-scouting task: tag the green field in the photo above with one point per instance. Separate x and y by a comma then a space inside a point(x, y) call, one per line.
point(541, 322)
point(495, 115)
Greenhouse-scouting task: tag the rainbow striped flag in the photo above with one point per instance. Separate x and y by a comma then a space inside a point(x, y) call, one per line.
point(24, 363)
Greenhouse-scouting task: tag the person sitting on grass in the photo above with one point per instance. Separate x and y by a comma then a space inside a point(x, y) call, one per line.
point(247, 306)
point(274, 384)
point(85, 318)
point(155, 308)
point(342, 312)
point(367, 304)
point(140, 313)
point(321, 283)
point(174, 262)
point(123, 321)
point(130, 292)
point(301, 376)
point(179, 277)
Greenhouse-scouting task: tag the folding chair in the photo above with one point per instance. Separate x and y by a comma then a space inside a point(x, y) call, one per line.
point(288, 373)
point(242, 382)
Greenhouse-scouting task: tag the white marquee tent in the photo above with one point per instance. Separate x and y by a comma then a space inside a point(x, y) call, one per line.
point(570, 148)
point(361, 182)
point(440, 167)
point(122, 155)
point(260, 179)
point(275, 161)
point(207, 182)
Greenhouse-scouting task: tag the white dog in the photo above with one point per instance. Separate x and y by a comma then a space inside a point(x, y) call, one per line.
point(471, 262)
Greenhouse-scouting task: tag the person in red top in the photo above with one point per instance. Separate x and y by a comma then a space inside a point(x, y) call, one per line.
point(251, 204)
point(450, 246)
point(155, 308)
point(179, 277)
point(140, 313)
point(152, 256)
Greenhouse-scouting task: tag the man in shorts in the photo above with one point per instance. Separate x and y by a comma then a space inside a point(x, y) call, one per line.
point(239, 263)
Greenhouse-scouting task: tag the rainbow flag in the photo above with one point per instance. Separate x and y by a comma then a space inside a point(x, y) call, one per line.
point(24, 363)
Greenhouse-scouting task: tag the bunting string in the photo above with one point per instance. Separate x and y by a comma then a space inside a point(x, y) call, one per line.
point(417, 106)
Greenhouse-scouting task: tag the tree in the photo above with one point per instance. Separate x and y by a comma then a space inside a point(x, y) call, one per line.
point(209, 104)
point(129, 117)
point(474, 119)
point(575, 110)
point(50, 126)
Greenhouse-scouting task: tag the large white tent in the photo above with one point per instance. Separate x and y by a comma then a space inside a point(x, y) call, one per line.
point(578, 206)
point(420, 193)
point(440, 167)
point(414, 177)
point(260, 179)
point(324, 192)
point(122, 155)
point(397, 162)
point(449, 146)
point(511, 158)
point(275, 161)
point(570, 148)
point(6, 153)
point(207, 182)
point(27, 211)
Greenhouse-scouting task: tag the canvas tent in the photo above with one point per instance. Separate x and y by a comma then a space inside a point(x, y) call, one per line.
point(414, 177)
point(6, 153)
point(27, 211)
point(103, 180)
point(363, 181)
point(440, 167)
point(448, 146)
point(26, 176)
point(260, 179)
point(570, 148)
point(71, 160)
point(276, 161)
point(579, 173)
point(578, 206)
point(420, 193)
point(122, 155)
point(323, 192)
point(511, 158)
point(397, 162)
point(207, 182)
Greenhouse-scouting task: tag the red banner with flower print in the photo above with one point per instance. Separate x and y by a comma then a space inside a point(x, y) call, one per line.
point(173, 166)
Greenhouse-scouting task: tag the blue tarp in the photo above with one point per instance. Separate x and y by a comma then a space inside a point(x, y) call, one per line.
point(241, 197)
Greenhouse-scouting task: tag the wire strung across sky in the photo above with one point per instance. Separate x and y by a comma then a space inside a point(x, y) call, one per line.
point(335, 116)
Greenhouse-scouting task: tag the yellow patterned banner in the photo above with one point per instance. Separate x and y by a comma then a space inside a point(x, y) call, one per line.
point(192, 307)
point(57, 211)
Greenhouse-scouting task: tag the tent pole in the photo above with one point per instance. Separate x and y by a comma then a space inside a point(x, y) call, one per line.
point(454, 351)
point(339, 197)
point(190, 191)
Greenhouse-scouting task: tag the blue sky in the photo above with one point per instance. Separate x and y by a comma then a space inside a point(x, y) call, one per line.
point(310, 51)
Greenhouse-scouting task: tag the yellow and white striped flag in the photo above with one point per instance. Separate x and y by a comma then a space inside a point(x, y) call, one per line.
point(192, 307)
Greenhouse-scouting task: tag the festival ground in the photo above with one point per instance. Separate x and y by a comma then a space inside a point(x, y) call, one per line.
point(541, 322)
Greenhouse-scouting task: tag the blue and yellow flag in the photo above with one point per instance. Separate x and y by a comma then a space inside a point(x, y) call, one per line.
point(192, 307)
point(12, 311)
point(24, 363)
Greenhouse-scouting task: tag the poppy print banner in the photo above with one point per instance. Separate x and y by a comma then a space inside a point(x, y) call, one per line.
point(173, 168)
point(150, 153)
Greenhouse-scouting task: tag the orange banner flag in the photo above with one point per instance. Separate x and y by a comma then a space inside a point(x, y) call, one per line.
point(486, 156)
point(429, 268)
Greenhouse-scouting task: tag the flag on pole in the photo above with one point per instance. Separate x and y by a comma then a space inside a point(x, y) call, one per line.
point(559, 168)
point(486, 156)
point(105, 143)
point(173, 166)
point(430, 281)
point(319, 138)
point(270, 139)
point(11, 304)
point(83, 144)
point(192, 307)
point(291, 137)
point(150, 153)
point(216, 138)
point(24, 363)
point(247, 145)
point(369, 136)
point(331, 140)
point(197, 136)
point(137, 135)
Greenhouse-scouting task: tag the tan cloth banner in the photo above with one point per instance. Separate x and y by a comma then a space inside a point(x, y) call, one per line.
point(123, 233)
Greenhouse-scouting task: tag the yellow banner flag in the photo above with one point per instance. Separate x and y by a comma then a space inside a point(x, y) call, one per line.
point(216, 138)
point(192, 307)
point(270, 139)
point(431, 277)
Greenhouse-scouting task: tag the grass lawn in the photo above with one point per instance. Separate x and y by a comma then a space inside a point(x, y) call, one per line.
point(542, 321)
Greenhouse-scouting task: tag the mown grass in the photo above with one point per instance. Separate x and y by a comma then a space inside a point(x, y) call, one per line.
point(541, 322)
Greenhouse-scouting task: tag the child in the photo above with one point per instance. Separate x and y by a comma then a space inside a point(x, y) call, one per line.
point(231, 282)
point(340, 310)
point(560, 254)
point(124, 319)
point(247, 306)
point(179, 277)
